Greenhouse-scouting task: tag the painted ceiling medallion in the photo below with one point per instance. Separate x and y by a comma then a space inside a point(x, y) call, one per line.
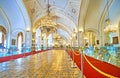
point(73, 10)
point(33, 10)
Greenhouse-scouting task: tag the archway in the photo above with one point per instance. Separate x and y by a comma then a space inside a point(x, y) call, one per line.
point(20, 41)
point(91, 37)
point(3, 34)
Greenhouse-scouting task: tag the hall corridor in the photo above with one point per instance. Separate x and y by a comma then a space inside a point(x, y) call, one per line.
point(50, 64)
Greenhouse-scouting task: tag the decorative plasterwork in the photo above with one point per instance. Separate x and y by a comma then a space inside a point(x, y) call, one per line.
point(33, 8)
point(24, 13)
point(45, 21)
point(67, 10)
point(72, 9)
point(64, 34)
point(36, 8)
point(6, 19)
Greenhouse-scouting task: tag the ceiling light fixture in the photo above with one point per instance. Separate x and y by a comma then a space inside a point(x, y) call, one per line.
point(109, 27)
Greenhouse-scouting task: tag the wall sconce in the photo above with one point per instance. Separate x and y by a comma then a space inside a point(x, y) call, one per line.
point(42, 35)
point(80, 30)
point(64, 43)
point(74, 34)
point(52, 44)
point(85, 38)
point(28, 29)
point(67, 44)
point(75, 31)
point(33, 39)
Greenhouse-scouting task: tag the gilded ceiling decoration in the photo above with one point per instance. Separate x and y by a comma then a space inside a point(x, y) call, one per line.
point(33, 13)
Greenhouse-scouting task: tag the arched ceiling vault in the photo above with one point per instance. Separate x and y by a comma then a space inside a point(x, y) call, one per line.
point(94, 12)
point(67, 12)
point(22, 14)
point(15, 15)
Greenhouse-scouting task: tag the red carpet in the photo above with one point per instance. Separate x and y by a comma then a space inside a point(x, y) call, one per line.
point(7, 58)
point(110, 71)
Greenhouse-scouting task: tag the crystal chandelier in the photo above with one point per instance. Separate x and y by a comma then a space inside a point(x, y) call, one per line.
point(48, 20)
point(47, 23)
point(109, 27)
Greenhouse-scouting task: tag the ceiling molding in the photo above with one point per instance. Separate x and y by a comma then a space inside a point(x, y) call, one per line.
point(16, 31)
point(58, 10)
point(21, 12)
point(26, 12)
point(82, 13)
point(92, 29)
point(56, 14)
point(66, 5)
point(40, 4)
point(8, 28)
point(64, 34)
point(65, 28)
point(104, 13)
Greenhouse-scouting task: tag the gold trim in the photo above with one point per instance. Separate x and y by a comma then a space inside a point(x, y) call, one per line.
point(76, 53)
point(98, 70)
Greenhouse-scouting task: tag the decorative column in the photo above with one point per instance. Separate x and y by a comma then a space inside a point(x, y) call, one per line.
point(28, 39)
point(39, 42)
point(119, 32)
point(8, 40)
point(111, 37)
point(33, 41)
point(71, 41)
point(52, 41)
point(74, 38)
point(47, 34)
point(45, 41)
point(42, 40)
point(80, 37)
point(107, 37)
point(81, 47)
point(101, 35)
point(101, 40)
point(73, 45)
point(90, 38)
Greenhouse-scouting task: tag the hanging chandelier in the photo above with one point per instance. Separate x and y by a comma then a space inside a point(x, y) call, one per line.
point(109, 27)
point(48, 23)
point(48, 20)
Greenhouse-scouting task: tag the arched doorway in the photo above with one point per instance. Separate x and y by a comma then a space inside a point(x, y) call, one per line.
point(3, 34)
point(90, 40)
point(20, 41)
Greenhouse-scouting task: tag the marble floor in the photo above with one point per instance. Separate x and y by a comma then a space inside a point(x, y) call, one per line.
point(51, 64)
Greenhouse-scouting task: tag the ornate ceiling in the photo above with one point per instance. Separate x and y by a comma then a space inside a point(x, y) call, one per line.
point(18, 15)
point(64, 12)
